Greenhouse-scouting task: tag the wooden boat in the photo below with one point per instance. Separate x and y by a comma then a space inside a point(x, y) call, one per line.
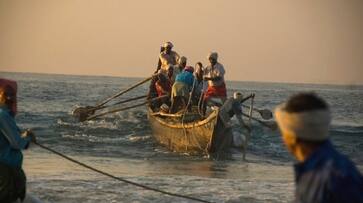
point(191, 134)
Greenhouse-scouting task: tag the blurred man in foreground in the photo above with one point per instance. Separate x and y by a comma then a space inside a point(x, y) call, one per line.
point(322, 174)
point(12, 142)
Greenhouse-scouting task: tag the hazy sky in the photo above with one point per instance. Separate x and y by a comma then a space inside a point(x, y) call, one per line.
point(314, 41)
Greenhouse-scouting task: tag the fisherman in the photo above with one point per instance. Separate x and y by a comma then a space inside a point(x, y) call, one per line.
point(322, 174)
point(214, 74)
point(163, 87)
point(152, 90)
point(181, 89)
point(167, 59)
point(226, 137)
point(182, 63)
point(199, 83)
point(166, 62)
point(12, 142)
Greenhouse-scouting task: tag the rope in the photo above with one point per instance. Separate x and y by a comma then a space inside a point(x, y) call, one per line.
point(118, 178)
point(185, 111)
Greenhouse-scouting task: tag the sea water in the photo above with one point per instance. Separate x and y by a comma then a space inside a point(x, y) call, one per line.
point(122, 144)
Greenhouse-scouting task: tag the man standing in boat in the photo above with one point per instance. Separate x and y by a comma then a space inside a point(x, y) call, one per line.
point(322, 174)
point(167, 59)
point(12, 142)
point(214, 74)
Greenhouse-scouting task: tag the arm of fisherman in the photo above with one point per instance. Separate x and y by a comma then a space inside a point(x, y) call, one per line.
point(159, 66)
point(159, 63)
point(11, 131)
point(177, 57)
point(246, 98)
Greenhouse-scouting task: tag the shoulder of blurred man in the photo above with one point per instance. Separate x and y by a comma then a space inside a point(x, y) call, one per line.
point(328, 176)
point(5, 113)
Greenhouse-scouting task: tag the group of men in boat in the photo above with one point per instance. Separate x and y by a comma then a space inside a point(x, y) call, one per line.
point(181, 86)
point(175, 78)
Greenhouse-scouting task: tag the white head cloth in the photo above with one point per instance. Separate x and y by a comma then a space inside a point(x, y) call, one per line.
point(213, 55)
point(238, 96)
point(309, 125)
point(168, 44)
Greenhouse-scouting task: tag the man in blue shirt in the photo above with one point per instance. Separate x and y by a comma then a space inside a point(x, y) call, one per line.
point(12, 177)
point(181, 89)
point(322, 174)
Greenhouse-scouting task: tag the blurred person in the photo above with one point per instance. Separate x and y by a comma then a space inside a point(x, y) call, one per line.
point(322, 174)
point(12, 142)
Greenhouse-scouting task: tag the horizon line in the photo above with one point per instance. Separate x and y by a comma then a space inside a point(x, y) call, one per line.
point(254, 81)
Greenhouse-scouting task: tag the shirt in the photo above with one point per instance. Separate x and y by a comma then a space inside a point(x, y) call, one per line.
point(185, 77)
point(328, 176)
point(11, 142)
point(216, 71)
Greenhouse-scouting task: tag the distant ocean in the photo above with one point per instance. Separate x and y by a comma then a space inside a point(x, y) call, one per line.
point(122, 144)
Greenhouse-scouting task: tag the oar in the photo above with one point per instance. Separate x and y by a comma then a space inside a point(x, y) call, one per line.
point(84, 112)
point(265, 113)
point(272, 126)
point(122, 102)
point(124, 91)
point(125, 108)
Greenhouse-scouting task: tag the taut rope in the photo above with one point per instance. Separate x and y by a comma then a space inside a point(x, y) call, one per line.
point(118, 178)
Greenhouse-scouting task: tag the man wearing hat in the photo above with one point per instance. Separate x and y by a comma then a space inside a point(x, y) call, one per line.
point(167, 59)
point(214, 74)
point(322, 174)
point(12, 177)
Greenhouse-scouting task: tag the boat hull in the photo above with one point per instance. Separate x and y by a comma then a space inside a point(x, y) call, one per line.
point(191, 137)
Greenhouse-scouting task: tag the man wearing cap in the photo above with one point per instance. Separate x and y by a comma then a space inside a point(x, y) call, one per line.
point(167, 59)
point(214, 74)
point(12, 177)
point(322, 174)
